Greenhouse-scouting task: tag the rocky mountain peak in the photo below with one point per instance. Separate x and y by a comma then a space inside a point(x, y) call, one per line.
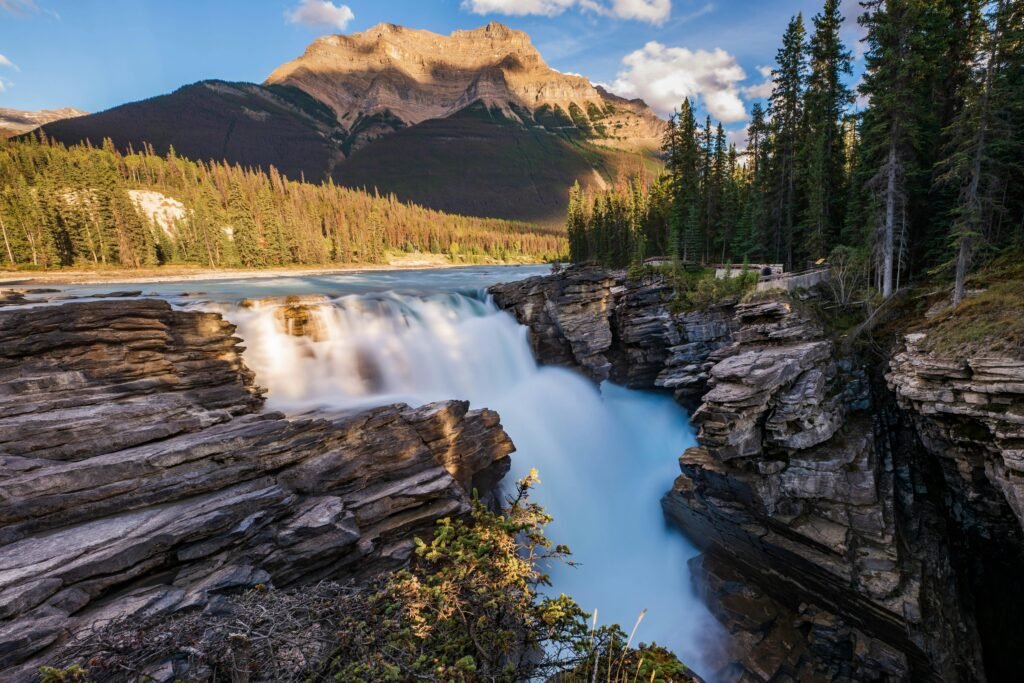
point(389, 77)
point(16, 121)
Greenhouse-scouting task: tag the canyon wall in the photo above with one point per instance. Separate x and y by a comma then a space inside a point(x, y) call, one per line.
point(139, 477)
point(857, 525)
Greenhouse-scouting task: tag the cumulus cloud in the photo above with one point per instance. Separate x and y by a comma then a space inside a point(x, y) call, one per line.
point(8, 63)
point(762, 90)
point(548, 8)
point(320, 13)
point(651, 11)
point(663, 76)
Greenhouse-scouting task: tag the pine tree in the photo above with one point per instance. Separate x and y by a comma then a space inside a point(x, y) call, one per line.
point(716, 190)
point(826, 99)
point(786, 107)
point(891, 122)
point(750, 235)
point(244, 231)
point(685, 160)
point(576, 225)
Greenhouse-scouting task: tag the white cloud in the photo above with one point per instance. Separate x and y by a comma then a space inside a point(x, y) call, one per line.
point(663, 76)
point(8, 63)
point(651, 11)
point(548, 8)
point(320, 13)
point(762, 90)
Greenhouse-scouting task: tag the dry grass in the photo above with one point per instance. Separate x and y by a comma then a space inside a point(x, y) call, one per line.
point(988, 322)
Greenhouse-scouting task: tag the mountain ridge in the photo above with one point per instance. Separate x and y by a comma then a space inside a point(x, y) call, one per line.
point(381, 109)
point(416, 75)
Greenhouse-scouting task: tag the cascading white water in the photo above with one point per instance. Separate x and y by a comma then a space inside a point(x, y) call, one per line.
point(605, 457)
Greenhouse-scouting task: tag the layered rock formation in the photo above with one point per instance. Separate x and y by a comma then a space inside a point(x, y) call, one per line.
point(613, 329)
point(847, 537)
point(139, 478)
point(968, 414)
point(389, 77)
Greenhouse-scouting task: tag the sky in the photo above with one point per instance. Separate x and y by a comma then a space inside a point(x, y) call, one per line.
point(96, 54)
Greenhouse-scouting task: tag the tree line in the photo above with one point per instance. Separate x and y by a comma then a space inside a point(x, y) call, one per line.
point(924, 176)
point(72, 206)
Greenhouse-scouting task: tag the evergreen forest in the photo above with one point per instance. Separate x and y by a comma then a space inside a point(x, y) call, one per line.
point(920, 176)
point(73, 206)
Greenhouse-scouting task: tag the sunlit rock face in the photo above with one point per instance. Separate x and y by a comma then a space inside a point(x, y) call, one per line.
point(390, 77)
point(140, 479)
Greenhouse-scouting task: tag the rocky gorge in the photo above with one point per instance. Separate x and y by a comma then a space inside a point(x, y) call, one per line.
point(140, 477)
point(858, 504)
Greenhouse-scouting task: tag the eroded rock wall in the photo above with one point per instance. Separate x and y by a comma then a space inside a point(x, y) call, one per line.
point(968, 414)
point(139, 477)
point(609, 327)
point(858, 525)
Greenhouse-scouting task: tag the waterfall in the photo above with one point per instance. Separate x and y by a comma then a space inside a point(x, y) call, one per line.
point(605, 454)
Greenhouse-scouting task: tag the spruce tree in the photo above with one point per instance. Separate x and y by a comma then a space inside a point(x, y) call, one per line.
point(892, 122)
point(824, 164)
point(786, 108)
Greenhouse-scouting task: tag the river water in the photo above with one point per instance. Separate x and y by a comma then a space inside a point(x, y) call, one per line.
point(606, 455)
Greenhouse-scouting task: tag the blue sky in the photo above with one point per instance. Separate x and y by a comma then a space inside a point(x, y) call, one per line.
point(95, 54)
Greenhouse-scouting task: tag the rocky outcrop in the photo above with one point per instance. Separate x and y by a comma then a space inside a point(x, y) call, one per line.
point(17, 122)
point(68, 374)
point(198, 494)
point(611, 327)
point(790, 488)
point(968, 414)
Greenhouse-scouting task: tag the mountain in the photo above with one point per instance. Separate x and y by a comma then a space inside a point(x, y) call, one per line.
point(474, 122)
point(16, 122)
point(390, 77)
point(243, 123)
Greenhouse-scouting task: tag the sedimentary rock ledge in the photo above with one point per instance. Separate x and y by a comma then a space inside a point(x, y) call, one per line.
point(610, 327)
point(138, 477)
